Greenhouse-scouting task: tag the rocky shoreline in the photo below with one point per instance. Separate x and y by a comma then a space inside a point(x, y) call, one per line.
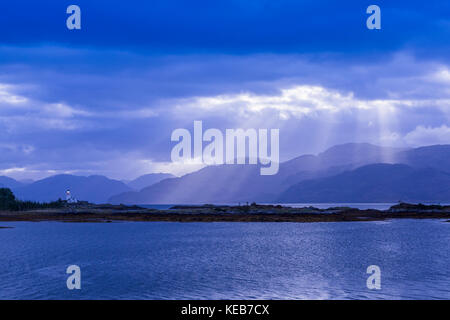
point(215, 213)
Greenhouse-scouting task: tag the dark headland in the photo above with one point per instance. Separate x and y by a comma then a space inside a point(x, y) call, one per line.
point(85, 212)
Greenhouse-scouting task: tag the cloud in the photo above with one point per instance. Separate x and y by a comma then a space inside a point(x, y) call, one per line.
point(175, 168)
point(6, 96)
point(106, 98)
point(442, 75)
point(300, 101)
point(423, 136)
point(21, 113)
point(88, 111)
point(236, 27)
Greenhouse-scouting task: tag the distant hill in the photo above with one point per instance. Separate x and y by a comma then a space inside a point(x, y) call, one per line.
point(242, 183)
point(374, 183)
point(148, 179)
point(95, 189)
point(213, 183)
point(343, 173)
point(344, 155)
point(26, 181)
point(6, 182)
point(437, 157)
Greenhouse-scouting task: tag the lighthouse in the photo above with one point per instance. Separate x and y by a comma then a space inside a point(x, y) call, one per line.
point(69, 197)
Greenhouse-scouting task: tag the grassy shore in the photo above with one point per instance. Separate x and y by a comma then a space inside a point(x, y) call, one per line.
point(211, 213)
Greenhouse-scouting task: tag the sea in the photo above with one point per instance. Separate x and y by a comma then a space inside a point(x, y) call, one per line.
point(226, 260)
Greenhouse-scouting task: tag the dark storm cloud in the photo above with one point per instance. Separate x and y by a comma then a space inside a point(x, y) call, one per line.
point(225, 26)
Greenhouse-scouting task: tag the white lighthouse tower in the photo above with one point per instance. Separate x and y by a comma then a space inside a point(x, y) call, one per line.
point(69, 197)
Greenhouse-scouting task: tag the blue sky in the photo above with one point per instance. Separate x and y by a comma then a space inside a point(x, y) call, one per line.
point(105, 99)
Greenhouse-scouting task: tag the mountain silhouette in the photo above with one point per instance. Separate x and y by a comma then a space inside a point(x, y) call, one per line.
point(95, 189)
point(345, 173)
point(148, 179)
point(242, 183)
point(374, 183)
point(437, 156)
point(7, 182)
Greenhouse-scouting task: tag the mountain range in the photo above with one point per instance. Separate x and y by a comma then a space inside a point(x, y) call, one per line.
point(354, 172)
point(148, 179)
point(95, 188)
point(374, 183)
point(317, 173)
point(7, 182)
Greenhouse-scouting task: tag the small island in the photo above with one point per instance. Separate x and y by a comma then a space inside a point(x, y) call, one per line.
point(12, 209)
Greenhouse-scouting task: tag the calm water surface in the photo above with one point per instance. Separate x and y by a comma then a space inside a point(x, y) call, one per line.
point(159, 260)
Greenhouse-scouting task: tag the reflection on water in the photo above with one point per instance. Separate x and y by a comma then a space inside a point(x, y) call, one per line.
point(133, 260)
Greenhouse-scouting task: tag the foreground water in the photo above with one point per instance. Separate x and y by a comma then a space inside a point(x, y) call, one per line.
point(159, 260)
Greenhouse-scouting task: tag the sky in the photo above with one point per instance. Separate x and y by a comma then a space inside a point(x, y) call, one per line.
point(105, 99)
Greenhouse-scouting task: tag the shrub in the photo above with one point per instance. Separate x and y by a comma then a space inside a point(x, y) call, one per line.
point(9, 202)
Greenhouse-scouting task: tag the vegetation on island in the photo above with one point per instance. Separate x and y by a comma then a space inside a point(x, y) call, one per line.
point(9, 202)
